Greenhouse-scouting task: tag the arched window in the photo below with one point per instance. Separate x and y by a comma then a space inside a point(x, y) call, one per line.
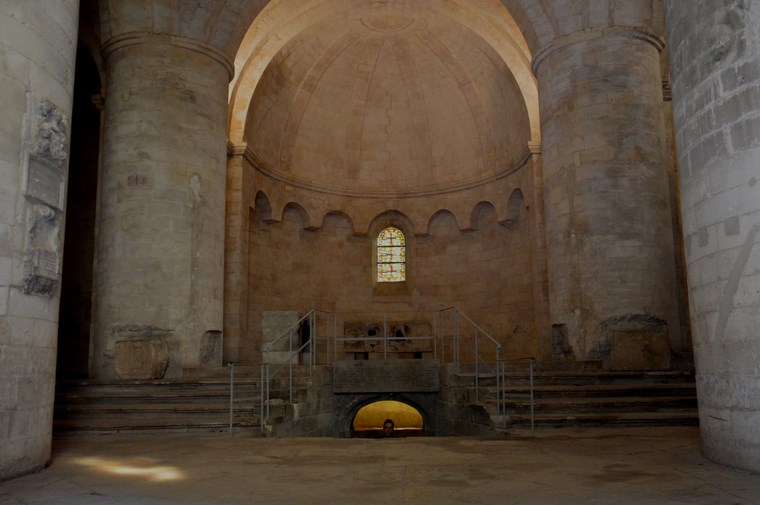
point(391, 255)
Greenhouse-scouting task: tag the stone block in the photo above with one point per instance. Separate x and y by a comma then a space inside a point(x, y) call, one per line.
point(279, 329)
point(141, 359)
point(639, 350)
point(211, 348)
point(386, 376)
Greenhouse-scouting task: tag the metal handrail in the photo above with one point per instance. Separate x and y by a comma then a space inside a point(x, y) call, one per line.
point(268, 372)
point(458, 344)
point(504, 394)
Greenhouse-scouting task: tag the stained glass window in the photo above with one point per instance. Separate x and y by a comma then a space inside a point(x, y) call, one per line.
point(391, 256)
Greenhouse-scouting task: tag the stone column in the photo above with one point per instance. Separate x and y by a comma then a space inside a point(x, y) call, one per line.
point(715, 66)
point(160, 250)
point(236, 253)
point(608, 212)
point(37, 54)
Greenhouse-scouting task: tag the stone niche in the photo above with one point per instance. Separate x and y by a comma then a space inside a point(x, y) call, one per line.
point(638, 342)
point(280, 333)
point(141, 359)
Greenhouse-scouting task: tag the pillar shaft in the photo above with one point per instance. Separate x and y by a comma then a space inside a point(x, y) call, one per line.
point(715, 66)
point(37, 54)
point(608, 213)
point(159, 261)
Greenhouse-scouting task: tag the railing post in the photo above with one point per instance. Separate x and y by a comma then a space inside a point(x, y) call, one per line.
point(435, 338)
point(477, 367)
point(262, 387)
point(385, 335)
point(532, 422)
point(457, 357)
point(232, 391)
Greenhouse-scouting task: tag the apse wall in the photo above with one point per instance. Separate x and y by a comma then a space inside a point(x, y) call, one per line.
point(481, 266)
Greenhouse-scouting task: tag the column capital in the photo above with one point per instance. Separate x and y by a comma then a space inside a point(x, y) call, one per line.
point(638, 33)
point(122, 41)
point(236, 149)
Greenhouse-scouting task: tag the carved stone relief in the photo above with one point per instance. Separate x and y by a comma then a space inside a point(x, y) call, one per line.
point(45, 196)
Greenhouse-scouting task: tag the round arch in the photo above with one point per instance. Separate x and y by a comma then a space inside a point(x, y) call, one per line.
point(369, 419)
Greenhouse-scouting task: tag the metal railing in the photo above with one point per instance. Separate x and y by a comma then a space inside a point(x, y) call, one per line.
point(455, 338)
point(505, 393)
point(467, 337)
point(293, 356)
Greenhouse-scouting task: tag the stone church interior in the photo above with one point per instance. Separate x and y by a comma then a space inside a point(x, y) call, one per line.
point(304, 217)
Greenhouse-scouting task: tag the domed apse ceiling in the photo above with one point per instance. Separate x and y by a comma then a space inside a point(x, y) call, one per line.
point(387, 100)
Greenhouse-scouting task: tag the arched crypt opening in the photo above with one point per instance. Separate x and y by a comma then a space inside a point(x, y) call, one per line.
point(262, 216)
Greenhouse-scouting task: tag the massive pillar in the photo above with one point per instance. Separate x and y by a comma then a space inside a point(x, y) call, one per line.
point(37, 54)
point(160, 250)
point(715, 65)
point(608, 213)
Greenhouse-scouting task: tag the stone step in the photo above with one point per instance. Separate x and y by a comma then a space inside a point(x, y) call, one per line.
point(612, 404)
point(573, 377)
point(687, 417)
point(600, 390)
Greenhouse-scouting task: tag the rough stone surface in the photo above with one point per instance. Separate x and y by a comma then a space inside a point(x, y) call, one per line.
point(716, 96)
point(639, 350)
point(642, 466)
point(606, 186)
point(161, 242)
point(37, 41)
point(140, 359)
point(394, 376)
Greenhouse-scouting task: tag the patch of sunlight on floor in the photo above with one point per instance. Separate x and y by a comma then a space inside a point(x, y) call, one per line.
point(140, 468)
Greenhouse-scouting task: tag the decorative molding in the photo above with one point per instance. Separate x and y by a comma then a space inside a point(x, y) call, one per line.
point(639, 33)
point(236, 150)
point(513, 166)
point(138, 38)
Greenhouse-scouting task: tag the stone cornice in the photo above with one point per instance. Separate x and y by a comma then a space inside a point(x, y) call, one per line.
point(513, 166)
point(123, 40)
point(638, 33)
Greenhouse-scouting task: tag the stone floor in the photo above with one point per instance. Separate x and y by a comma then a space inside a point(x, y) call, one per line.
point(567, 467)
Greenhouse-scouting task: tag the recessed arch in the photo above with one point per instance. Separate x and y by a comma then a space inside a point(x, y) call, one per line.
point(440, 216)
point(369, 419)
point(302, 213)
point(262, 207)
point(515, 210)
point(480, 212)
point(334, 216)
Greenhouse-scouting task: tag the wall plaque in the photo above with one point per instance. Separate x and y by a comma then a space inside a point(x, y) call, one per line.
point(45, 183)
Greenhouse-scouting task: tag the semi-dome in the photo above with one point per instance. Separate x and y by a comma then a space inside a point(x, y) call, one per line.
point(387, 99)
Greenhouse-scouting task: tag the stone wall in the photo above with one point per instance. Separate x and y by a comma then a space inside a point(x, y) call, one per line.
point(482, 265)
point(714, 48)
point(37, 53)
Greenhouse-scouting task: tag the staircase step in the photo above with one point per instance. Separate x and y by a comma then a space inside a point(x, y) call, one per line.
point(657, 418)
